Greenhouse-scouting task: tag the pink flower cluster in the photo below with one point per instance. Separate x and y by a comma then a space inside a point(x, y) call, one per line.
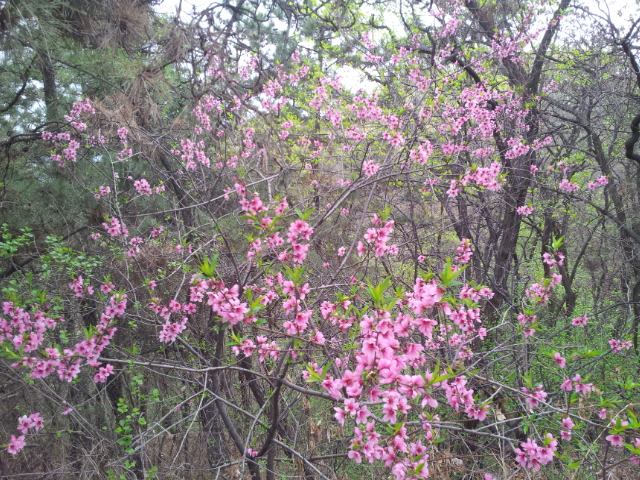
point(534, 397)
point(370, 168)
point(25, 423)
point(559, 360)
point(377, 238)
point(600, 182)
point(206, 104)
point(79, 107)
point(525, 210)
point(576, 383)
point(386, 351)
point(488, 178)
point(103, 373)
point(298, 230)
point(394, 138)
point(527, 320)
point(32, 421)
point(424, 296)
point(78, 288)
point(16, 444)
point(569, 186)
point(299, 323)
point(253, 207)
point(115, 228)
point(22, 330)
point(226, 304)
point(170, 330)
point(389, 372)
point(366, 40)
point(458, 395)
point(552, 260)
point(580, 321)
point(454, 189)
point(266, 349)
point(143, 187)
point(518, 148)
point(538, 144)
point(568, 424)
point(534, 456)
point(102, 191)
point(421, 154)
point(190, 152)
point(246, 348)
point(366, 107)
point(70, 146)
point(541, 294)
point(135, 243)
point(618, 345)
point(70, 151)
point(464, 251)
point(28, 334)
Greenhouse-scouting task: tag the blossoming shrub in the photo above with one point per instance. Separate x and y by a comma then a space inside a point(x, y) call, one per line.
point(292, 279)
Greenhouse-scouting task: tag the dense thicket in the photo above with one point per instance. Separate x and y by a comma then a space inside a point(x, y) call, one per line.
point(319, 240)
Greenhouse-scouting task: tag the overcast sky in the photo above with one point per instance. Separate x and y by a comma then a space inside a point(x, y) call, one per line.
point(625, 7)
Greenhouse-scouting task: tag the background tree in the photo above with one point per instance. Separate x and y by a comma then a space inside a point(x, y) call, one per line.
point(264, 270)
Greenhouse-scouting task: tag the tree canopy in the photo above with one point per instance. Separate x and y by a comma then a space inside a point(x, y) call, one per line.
point(320, 240)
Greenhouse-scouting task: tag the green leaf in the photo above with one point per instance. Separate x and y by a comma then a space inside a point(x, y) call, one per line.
point(294, 274)
point(557, 243)
point(376, 292)
point(442, 378)
point(208, 266)
point(630, 384)
point(313, 376)
point(449, 276)
point(306, 215)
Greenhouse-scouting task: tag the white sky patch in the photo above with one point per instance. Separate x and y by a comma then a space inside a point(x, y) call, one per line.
point(621, 12)
point(619, 9)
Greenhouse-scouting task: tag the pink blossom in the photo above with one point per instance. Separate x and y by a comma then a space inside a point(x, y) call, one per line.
point(370, 168)
point(339, 415)
point(454, 189)
point(251, 452)
point(25, 423)
point(567, 423)
point(560, 361)
point(568, 186)
point(16, 444)
point(37, 421)
point(614, 440)
point(464, 251)
point(618, 345)
point(525, 210)
point(600, 182)
point(579, 321)
point(143, 187)
point(103, 373)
